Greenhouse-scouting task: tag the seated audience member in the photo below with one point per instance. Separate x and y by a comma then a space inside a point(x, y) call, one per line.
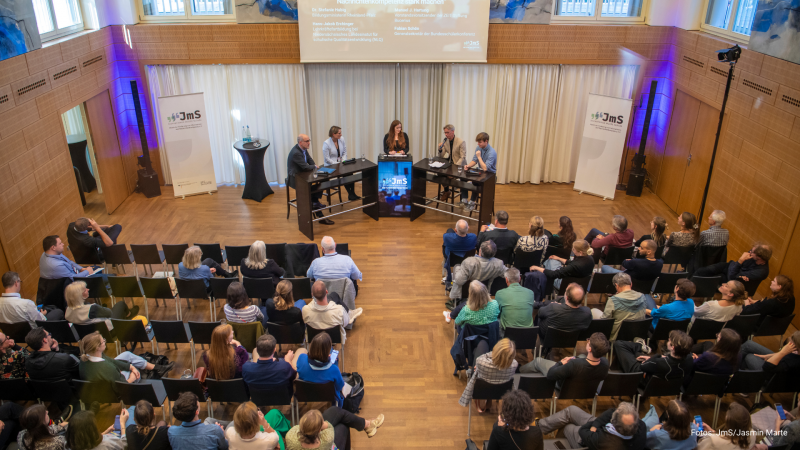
point(676, 432)
point(240, 309)
point(715, 235)
point(589, 368)
point(78, 312)
point(456, 242)
point(327, 310)
point(269, 373)
point(192, 434)
point(96, 366)
point(622, 237)
point(37, 432)
point(479, 308)
point(536, 239)
point(12, 358)
point(581, 266)
point(645, 268)
point(484, 268)
point(780, 305)
point(513, 428)
point(192, 268)
point(515, 302)
point(82, 433)
point(281, 308)
point(47, 362)
point(726, 308)
point(789, 431)
point(141, 430)
point(757, 357)
point(752, 266)
point(9, 423)
point(225, 355)
point(658, 229)
point(15, 309)
point(333, 266)
point(737, 433)
point(496, 367)
point(330, 429)
point(568, 316)
point(677, 363)
point(499, 233)
point(626, 304)
point(618, 429)
point(681, 308)
point(256, 265)
point(87, 247)
point(250, 430)
point(721, 357)
point(688, 236)
point(54, 265)
point(565, 236)
point(317, 366)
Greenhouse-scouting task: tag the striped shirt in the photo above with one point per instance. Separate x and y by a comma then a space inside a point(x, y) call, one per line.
point(244, 315)
point(488, 314)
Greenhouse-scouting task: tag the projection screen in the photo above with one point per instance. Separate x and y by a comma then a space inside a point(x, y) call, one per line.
point(393, 30)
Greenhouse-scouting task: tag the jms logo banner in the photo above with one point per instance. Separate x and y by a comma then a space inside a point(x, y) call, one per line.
point(606, 118)
point(175, 117)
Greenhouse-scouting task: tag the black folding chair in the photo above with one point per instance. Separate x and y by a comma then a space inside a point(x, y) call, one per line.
point(336, 338)
point(703, 329)
point(707, 384)
point(575, 389)
point(678, 255)
point(629, 330)
point(524, 260)
point(498, 284)
point(176, 386)
point(506, 255)
point(195, 289)
point(272, 397)
point(565, 282)
point(707, 255)
point(213, 251)
point(616, 255)
point(117, 255)
point(484, 390)
point(555, 338)
point(523, 338)
point(130, 393)
point(293, 334)
point(236, 253)
point(147, 255)
point(618, 385)
point(742, 382)
point(132, 331)
point(706, 287)
point(308, 392)
point(538, 387)
point(201, 332)
point(774, 326)
point(665, 283)
point(219, 288)
point(301, 288)
point(16, 331)
point(751, 286)
point(16, 390)
point(89, 392)
point(226, 391)
point(127, 287)
point(659, 387)
point(173, 254)
point(101, 327)
point(98, 287)
point(605, 326)
point(159, 288)
point(665, 326)
point(174, 332)
point(278, 253)
point(602, 283)
point(259, 288)
point(60, 330)
point(781, 383)
point(643, 286)
point(744, 325)
point(343, 249)
point(52, 391)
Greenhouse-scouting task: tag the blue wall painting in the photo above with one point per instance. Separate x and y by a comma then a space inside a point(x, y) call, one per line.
point(520, 11)
point(18, 31)
point(265, 11)
point(776, 29)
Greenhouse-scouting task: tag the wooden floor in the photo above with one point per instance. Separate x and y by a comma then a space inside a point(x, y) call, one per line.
point(401, 343)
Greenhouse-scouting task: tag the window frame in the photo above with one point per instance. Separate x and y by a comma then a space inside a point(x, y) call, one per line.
point(187, 17)
point(61, 32)
point(728, 33)
point(598, 18)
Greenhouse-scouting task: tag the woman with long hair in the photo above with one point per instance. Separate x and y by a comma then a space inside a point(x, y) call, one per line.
point(37, 432)
point(479, 309)
point(721, 357)
point(194, 267)
point(96, 366)
point(676, 432)
point(141, 429)
point(496, 367)
point(780, 305)
point(281, 308)
point(726, 308)
point(82, 433)
point(257, 265)
point(513, 429)
point(396, 140)
point(565, 236)
point(80, 313)
point(240, 309)
point(536, 239)
point(225, 355)
point(658, 233)
point(688, 236)
point(250, 430)
point(736, 434)
point(334, 151)
point(322, 431)
point(318, 367)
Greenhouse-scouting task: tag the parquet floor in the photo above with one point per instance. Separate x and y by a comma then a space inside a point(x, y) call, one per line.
point(401, 343)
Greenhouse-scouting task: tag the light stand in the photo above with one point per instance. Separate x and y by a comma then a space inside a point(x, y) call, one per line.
point(730, 55)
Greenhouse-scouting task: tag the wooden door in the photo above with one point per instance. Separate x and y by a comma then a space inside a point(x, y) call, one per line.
point(676, 152)
point(696, 176)
point(100, 117)
point(791, 267)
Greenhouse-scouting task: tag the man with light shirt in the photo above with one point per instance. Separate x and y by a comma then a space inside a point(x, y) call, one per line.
point(453, 149)
point(486, 159)
point(332, 266)
point(54, 265)
point(15, 309)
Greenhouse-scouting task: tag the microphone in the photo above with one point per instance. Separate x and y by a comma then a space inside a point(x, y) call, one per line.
point(442, 144)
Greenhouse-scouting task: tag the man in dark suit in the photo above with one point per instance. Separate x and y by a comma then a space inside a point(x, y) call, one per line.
point(300, 160)
point(499, 233)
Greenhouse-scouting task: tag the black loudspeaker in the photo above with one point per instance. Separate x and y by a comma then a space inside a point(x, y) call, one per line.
point(148, 183)
point(638, 172)
point(148, 178)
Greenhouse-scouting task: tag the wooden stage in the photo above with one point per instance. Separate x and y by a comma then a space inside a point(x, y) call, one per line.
point(401, 343)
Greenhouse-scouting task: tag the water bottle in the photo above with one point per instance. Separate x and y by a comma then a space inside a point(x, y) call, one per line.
point(244, 136)
point(249, 137)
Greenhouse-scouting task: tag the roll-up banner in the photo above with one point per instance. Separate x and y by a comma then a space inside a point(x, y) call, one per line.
point(604, 130)
point(185, 132)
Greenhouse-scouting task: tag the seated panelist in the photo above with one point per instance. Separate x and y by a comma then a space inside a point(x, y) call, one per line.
point(396, 140)
point(334, 151)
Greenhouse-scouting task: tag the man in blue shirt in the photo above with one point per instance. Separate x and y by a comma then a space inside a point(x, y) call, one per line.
point(270, 373)
point(486, 158)
point(192, 434)
point(457, 242)
point(54, 265)
point(332, 266)
point(681, 308)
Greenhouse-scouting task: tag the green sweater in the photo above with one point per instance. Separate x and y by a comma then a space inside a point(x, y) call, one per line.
point(107, 370)
point(516, 306)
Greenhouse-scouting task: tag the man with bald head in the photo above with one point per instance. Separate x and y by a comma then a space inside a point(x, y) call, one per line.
point(300, 160)
point(326, 311)
point(457, 242)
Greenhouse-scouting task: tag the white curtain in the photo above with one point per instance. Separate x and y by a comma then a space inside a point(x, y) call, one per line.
point(577, 82)
point(269, 98)
point(359, 98)
point(419, 103)
point(73, 122)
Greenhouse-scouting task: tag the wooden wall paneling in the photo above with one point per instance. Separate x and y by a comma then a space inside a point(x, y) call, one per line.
point(110, 166)
point(791, 265)
point(676, 152)
point(696, 176)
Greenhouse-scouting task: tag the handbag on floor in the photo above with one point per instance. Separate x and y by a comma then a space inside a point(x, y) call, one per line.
point(353, 400)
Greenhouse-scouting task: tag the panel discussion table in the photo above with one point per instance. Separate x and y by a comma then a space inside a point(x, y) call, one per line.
point(363, 171)
point(256, 186)
point(448, 176)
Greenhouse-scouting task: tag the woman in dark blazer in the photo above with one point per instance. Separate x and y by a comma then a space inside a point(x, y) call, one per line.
point(396, 140)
